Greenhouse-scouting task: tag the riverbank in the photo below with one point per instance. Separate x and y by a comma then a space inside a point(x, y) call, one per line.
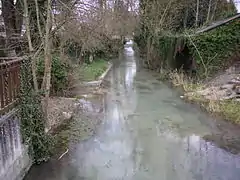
point(75, 118)
point(86, 81)
point(81, 126)
point(219, 96)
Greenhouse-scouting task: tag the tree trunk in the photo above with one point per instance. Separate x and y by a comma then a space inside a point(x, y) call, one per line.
point(13, 19)
point(48, 63)
point(38, 19)
point(33, 62)
point(185, 21)
point(214, 10)
point(149, 51)
point(9, 17)
point(19, 16)
point(197, 14)
point(38, 16)
point(209, 11)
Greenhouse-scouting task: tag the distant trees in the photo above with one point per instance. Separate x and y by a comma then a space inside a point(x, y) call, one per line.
point(92, 25)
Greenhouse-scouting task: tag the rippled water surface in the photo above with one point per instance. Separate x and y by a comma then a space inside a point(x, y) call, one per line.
point(148, 133)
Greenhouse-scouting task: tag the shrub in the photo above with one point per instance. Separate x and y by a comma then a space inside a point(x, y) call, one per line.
point(59, 74)
point(216, 47)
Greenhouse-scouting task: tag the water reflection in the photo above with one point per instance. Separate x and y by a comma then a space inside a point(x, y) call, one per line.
point(111, 158)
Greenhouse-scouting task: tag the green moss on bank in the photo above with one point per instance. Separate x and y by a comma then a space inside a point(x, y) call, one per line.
point(91, 72)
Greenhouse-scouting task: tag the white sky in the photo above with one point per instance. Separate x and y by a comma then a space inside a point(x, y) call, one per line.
point(237, 3)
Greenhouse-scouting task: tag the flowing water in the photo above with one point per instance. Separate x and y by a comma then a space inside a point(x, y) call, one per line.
point(148, 133)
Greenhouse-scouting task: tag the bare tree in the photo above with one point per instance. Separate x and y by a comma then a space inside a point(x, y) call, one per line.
point(197, 14)
point(47, 60)
point(31, 50)
point(13, 19)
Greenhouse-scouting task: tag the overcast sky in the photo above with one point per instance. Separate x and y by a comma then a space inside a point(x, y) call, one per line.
point(237, 2)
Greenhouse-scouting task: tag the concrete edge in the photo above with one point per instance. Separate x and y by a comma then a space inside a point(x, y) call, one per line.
point(101, 78)
point(106, 72)
point(25, 171)
point(20, 166)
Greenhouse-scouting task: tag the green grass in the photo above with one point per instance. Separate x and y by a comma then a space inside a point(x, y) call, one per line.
point(231, 110)
point(91, 72)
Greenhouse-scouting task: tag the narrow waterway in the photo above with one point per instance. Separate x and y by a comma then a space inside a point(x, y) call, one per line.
point(148, 133)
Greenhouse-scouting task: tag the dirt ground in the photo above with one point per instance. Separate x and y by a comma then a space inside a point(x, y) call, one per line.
point(224, 86)
point(60, 109)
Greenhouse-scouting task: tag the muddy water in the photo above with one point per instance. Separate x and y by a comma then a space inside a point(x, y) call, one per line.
point(147, 132)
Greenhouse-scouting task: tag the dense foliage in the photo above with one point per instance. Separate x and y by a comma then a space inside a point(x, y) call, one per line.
point(59, 75)
point(32, 120)
point(216, 47)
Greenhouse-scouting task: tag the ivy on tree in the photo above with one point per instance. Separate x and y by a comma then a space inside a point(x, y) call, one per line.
point(31, 115)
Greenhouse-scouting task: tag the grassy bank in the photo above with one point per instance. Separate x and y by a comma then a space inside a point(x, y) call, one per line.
point(227, 109)
point(91, 72)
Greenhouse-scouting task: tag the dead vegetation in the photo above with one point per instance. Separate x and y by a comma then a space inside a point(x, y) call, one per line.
point(209, 97)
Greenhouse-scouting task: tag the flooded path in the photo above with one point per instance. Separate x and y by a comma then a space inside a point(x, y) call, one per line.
point(148, 133)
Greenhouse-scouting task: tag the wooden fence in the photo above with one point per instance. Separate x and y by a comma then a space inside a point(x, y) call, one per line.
point(9, 83)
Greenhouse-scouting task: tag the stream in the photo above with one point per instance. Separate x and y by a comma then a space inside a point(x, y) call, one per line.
point(147, 133)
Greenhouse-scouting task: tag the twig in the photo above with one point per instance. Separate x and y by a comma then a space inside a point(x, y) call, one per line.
point(165, 12)
point(205, 68)
point(60, 157)
point(210, 60)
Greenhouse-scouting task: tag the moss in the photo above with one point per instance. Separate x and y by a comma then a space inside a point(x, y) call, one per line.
point(90, 72)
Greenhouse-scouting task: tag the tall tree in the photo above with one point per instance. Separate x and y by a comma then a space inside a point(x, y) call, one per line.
point(13, 18)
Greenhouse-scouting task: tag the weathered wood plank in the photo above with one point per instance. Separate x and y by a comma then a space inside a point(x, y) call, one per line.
point(9, 83)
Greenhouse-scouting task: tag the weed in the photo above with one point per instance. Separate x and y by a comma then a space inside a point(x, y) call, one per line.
point(228, 109)
point(180, 79)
